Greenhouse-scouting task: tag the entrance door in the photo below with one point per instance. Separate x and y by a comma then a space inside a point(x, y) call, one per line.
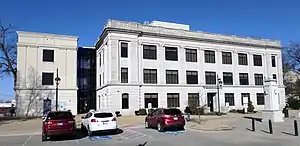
point(210, 101)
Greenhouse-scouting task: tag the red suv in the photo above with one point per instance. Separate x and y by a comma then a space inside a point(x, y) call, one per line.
point(58, 123)
point(162, 118)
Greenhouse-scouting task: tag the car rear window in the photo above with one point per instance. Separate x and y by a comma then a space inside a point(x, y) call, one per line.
point(103, 115)
point(60, 115)
point(172, 111)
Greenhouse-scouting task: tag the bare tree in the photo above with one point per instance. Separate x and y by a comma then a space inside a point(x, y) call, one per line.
point(32, 94)
point(291, 58)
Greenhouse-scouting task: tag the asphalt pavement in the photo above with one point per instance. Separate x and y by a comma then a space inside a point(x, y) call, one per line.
point(137, 134)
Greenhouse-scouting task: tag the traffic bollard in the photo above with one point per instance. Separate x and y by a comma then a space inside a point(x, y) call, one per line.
point(270, 127)
point(296, 128)
point(253, 125)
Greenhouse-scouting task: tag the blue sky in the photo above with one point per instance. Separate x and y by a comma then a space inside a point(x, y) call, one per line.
point(272, 19)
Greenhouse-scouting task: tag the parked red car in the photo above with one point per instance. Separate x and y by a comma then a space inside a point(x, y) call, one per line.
point(163, 118)
point(58, 123)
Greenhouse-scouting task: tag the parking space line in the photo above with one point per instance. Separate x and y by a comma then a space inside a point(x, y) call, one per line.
point(77, 142)
point(27, 140)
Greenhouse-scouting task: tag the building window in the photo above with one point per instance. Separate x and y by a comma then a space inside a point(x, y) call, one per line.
point(171, 77)
point(171, 53)
point(150, 76)
point(125, 101)
point(193, 100)
point(173, 99)
point(259, 79)
point(273, 61)
point(100, 59)
point(244, 79)
point(227, 78)
point(245, 95)
point(48, 55)
point(274, 77)
point(149, 52)
point(229, 97)
point(191, 55)
point(124, 49)
point(243, 60)
point(209, 56)
point(191, 77)
point(260, 98)
point(257, 60)
point(210, 77)
point(151, 98)
point(100, 83)
point(226, 58)
point(47, 78)
point(124, 75)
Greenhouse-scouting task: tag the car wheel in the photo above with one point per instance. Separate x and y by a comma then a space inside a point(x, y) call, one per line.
point(44, 137)
point(147, 124)
point(160, 128)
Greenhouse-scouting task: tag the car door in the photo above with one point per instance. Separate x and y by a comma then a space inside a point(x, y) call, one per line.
point(152, 118)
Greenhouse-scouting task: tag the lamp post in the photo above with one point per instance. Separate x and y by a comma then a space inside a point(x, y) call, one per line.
point(57, 80)
point(219, 85)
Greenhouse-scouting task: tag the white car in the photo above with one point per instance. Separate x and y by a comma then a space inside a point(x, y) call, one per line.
point(95, 121)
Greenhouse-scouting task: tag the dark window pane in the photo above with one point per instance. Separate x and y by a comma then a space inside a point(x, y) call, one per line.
point(124, 50)
point(259, 80)
point(193, 100)
point(243, 60)
point(171, 77)
point(151, 98)
point(273, 61)
point(229, 97)
point(48, 55)
point(274, 76)
point(149, 52)
point(191, 77)
point(47, 78)
point(171, 53)
point(244, 79)
point(150, 76)
point(257, 59)
point(173, 100)
point(210, 77)
point(227, 78)
point(226, 58)
point(172, 111)
point(209, 56)
point(125, 101)
point(59, 115)
point(103, 115)
point(124, 75)
point(191, 55)
point(260, 98)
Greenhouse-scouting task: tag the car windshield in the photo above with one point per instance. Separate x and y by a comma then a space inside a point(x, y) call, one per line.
point(60, 115)
point(103, 115)
point(172, 111)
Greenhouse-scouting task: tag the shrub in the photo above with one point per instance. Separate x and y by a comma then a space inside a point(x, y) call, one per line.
point(196, 111)
point(294, 103)
point(233, 111)
point(118, 113)
point(142, 111)
point(250, 107)
point(137, 112)
point(150, 110)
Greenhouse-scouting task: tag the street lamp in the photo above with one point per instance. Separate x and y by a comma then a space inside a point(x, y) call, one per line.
point(57, 80)
point(219, 85)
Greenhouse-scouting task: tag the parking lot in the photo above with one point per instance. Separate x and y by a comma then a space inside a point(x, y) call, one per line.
point(137, 134)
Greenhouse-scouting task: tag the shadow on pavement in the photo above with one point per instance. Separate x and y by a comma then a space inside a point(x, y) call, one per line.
point(80, 134)
point(265, 131)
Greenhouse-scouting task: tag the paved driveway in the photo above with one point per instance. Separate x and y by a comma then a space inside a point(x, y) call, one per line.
point(134, 135)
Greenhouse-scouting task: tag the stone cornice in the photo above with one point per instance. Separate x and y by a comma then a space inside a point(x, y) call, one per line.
point(47, 46)
point(42, 35)
point(148, 30)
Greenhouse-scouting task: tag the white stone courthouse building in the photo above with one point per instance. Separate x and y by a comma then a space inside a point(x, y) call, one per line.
point(166, 64)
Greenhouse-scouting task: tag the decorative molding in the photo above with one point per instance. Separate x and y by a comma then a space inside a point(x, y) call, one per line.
point(47, 46)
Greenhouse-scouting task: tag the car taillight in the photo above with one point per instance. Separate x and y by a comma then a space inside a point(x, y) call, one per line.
point(93, 120)
point(114, 119)
point(70, 122)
